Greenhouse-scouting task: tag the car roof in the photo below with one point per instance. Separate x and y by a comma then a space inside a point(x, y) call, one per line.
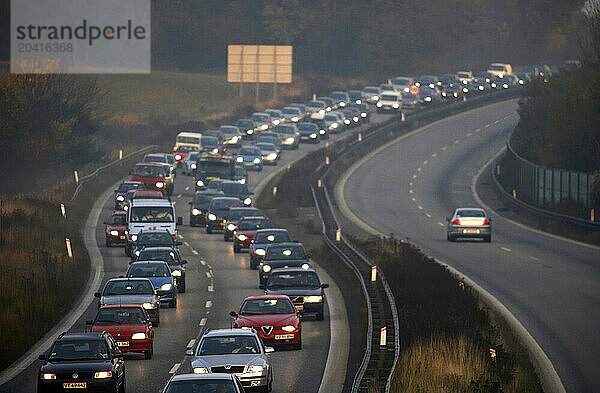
point(81, 336)
point(151, 202)
point(148, 263)
point(284, 244)
point(121, 306)
point(293, 269)
point(228, 198)
point(196, 377)
point(146, 193)
point(119, 213)
point(156, 164)
point(159, 248)
point(229, 332)
point(130, 279)
point(253, 297)
point(272, 230)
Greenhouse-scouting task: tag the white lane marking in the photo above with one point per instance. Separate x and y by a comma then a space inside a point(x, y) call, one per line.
point(174, 202)
point(208, 275)
point(428, 215)
point(414, 176)
point(497, 121)
point(468, 134)
point(191, 343)
point(478, 130)
point(410, 184)
point(187, 188)
point(174, 369)
point(441, 224)
point(208, 304)
point(505, 249)
point(534, 258)
point(203, 262)
point(419, 169)
point(187, 244)
point(425, 162)
point(202, 322)
point(194, 252)
point(410, 191)
point(444, 148)
point(181, 236)
point(420, 207)
point(210, 288)
point(456, 142)
point(486, 126)
point(414, 199)
point(179, 196)
point(434, 155)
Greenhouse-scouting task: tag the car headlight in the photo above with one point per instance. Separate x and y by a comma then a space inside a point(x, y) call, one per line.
point(250, 132)
point(465, 90)
point(215, 150)
point(266, 268)
point(313, 135)
point(137, 253)
point(259, 251)
point(346, 121)
point(200, 183)
point(376, 98)
point(125, 207)
point(444, 93)
point(256, 160)
point(428, 99)
point(242, 181)
point(103, 374)
point(272, 156)
point(305, 266)
point(322, 111)
point(247, 201)
point(359, 102)
point(481, 88)
point(295, 118)
point(290, 140)
point(395, 105)
point(406, 89)
point(379, 104)
point(355, 118)
point(120, 198)
point(195, 212)
point(242, 237)
point(240, 159)
point(313, 299)
point(363, 114)
point(160, 184)
point(212, 217)
point(47, 376)
point(256, 369)
point(193, 166)
point(177, 157)
point(114, 233)
point(230, 227)
point(166, 287)
point(288, 328)
point(138, 336)
point(200, 370)
point(333, 125)
point(493, 85)
point(235, 139)
point(322, 132)
point(149, 306)
point(264, 126)
point(133, 237)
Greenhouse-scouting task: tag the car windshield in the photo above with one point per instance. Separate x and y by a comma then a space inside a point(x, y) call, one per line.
point(214, 167)
point(124, 187)
point(120, 316)
point(249, 224)
point(272, 237)
point(235, 214)
point(92, 349)
point(230, 130)
point(389, 97)
point(307, 127)
point(211, 385)
point(245, 123)
point(338, 96)
point(165, 255)
point(126, 287)
point(209, 141)
point(117, 219)
point(148, 270)
point(285, 252)
point(261, 118)
point(249, 151)
point(155, 158)
point(151, 214)
point(202, 200)
point(387, 88)
point(285, 130)
point(371, 90)
point(148, 171)
point(188, 139)
point(235, 188)
point(160, 238)
point(267, 306)
point(470, 213)
point(265, 146)
point(185, 149)
point(403, 81)
point(496, 68)
point(224, 345)
point(267, 139)
point(316, 104)
point(290, 111)
point(223, 204)
point(330, 118)
point(463, 75)
point(192, 156)
point(293, 279)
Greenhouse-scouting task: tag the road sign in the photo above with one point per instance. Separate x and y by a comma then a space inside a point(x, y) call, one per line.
point(259, 63)
point(414, 90)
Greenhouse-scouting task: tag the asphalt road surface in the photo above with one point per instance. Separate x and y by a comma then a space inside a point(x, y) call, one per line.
point(551, 285)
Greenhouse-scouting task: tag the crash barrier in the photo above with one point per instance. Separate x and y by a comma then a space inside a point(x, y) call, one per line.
point(551, 192)
point(80, 181)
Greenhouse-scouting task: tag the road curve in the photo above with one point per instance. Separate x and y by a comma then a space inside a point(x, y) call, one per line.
point(549, 284)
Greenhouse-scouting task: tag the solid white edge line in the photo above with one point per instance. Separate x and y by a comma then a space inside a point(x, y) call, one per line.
point(549, 378)
point(87, 297)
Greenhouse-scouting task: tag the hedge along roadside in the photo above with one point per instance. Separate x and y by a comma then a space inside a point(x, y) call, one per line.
point(82, 212)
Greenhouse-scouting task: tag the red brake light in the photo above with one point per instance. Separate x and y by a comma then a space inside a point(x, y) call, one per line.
point(486, 222)
point(456, 222)
point(174, 237)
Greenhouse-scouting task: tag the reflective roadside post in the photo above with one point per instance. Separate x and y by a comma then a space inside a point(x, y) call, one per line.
point(120, 154)
point(326, 160)
point(592, 215)
point(274, 190)
point(383, 337)
point(69, 250)
point(63, 211)
point(373, 273)
point(338, 235)
point(319, 183)
point(76, 175)
point(360, 137)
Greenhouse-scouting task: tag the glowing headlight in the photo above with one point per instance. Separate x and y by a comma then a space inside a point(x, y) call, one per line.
point(465, 90)
point(215, 150)
point(230, 227)
point(48, 376)
point(264, 126)
point(256, 160)
point(200, 370)
point(505, 86)
point(133, 237)
point(276, 122)
point(259, 251)
point(120, 198)
point(242, 237)
point(166, 287)
point(395, 105)
point(212, 217)
point(160, 184)
point(333, 125)
point(250, 132)
point(138, 336)
point(295, 118)
point(137, 253)
point(376, 98)
point(481, 87)
point(493, 85)
point(322, 111)
point(363, 114)
point(521, 81)
point(322, 132)
point(114, 233)
point(313, 299)
point(266, 268)
point(240, 159)
point(305, 266)
point(313, 135)
point(177, 157)
point(235, 139)
point(242, 181)
point(193, 166)
point(176, 273)
point(346, 121)
point(359, 101)
point(103, 374)
point(455, 94)
point(432, 85)
point(428, 99)
point(379, 104)
point(247, 201)
point(288, 328)
point(290, 140)
point(355, 118)
point(256, 369)
point(195, 212)
point(149, 306)
point(272, 156)
point(444, 93)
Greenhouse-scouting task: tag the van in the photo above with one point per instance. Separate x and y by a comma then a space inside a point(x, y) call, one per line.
point(186, 138)
point(500, 69)
point(150, 215)
point(389, 101)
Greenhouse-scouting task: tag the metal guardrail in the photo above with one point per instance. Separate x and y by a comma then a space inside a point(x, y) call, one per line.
point(87, 178)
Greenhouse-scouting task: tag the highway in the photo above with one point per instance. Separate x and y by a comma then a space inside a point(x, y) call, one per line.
point(550, 284)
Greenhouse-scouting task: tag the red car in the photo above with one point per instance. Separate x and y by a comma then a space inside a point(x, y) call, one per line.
point(181, 152)
point(274, 317)
point(115, 228)
point(244, 233)
point(130, 326)
point(152, 174)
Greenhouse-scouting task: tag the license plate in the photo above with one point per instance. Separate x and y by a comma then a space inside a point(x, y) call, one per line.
point(299, 307)
point(122, 343)
point(470, 230)
point(284, 337)
point(122, 237)
point(74, 385)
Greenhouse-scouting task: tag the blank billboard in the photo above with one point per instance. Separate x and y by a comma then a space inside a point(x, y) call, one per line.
point(259, 63)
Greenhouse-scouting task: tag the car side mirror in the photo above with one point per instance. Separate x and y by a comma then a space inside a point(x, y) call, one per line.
point(179, 243)
point(324, 285)
point(269, 349)
point(97, 294)
point(179, 220)
point(189, 352)
point(233, 314)
point(89, 322)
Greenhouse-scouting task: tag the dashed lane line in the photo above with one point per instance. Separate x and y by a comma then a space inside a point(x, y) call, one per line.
point(428, 215)
point(187, 188)
point(174, 369)
point(194, 252)
point(179, 196)
point(208, 275)
point(210, 288)
point(208, 304)
point(441, 224)
point(505, 249)
point(191, 343)
point(203, 322)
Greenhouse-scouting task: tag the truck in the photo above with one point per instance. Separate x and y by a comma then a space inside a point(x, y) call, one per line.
point(150, 215)
point(210, 167)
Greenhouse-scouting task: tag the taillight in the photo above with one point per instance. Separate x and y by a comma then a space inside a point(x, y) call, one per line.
point(174, 237)
point(486, 222)
point(456, 222)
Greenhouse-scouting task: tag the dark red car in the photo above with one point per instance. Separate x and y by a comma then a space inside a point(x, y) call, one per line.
point(151, 174)
point(181, 152)
point(247, 227)
point(115, 228)
point(130, 326)
point(274, 317)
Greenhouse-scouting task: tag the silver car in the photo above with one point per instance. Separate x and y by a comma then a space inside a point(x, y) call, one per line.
point(204, 383)
point(235, 351)
point(469, 222)
point(131, 291)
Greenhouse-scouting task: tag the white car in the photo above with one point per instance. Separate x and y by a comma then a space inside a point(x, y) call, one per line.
point(317, 109)
point(189, 163)
point(371, 94)
point(389, 101)
point(292, 114)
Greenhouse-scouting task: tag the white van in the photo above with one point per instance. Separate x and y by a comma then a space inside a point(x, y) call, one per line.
point(389, 101)
point(188, 139)
point(150, 215)
point(500, 69)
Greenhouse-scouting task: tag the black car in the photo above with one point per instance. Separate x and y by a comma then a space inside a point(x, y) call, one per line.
point(302, 286)
point(153, 239)
point(82, 361)
point(173, 259)
point(247, 126)
point(209, 382)
point(240, 175)
point(233, 218)
point(309, 133)
point(199, 206)
point(282, 255)
point(264, 238)
point(217, 212)
point(365, 111)
point(210, 144)
point(237, 190)
point(120, 193)
point(356, 96)
point(352, 114)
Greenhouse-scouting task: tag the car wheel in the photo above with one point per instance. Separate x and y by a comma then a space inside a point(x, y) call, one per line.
point(320, 316)
point(487, 239)
point(450, 238)
point(148, 354)
point(236, 249)
point(226, 238)
point(123, 388)
point(173, 303)
point(192, 223)
point(181, 287)
point(208, 230)
point(107, 243)
point(299, 345)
